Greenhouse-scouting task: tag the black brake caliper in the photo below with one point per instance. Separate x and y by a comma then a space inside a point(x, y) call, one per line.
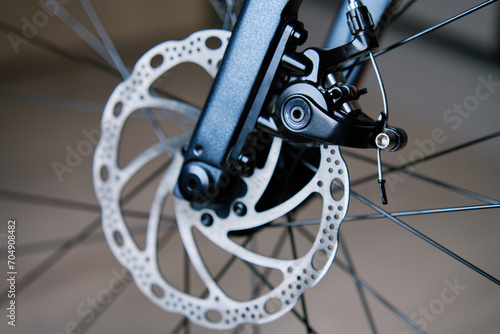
point(319, 107)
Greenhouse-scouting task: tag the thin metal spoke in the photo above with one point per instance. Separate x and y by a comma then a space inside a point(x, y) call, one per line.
point(218, 8)
point(296, 223)
point(425, 212)
point(275, 253)
point(150, 116)
point(392, 169)
point(187, 287)
point(74, 241)
point(254, 284)
point(226, 12)
point(63, 103)
point(171, 102)
point(402, 168)
point(368, 288)
point(51, 101)
point(452, 149)
point(81, 31)
point(105, 38)
point(270, 286)
point(120, 65)
point(14, 196)
point(422, 177)
point(395, 214)
point(422, 33)
point(45, 246)
point(49, 46)
point(436, 27)
point(106, 50)
point(217, 278)
point(424, 237)
point(84, 325)
point(230, 17)
point(361, 292)
point(352, 66)
point(294, 254)
point(403, 10)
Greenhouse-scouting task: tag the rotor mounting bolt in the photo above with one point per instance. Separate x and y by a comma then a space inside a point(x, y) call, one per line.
point(240, 209)
point(245, 163)
point(207, 219)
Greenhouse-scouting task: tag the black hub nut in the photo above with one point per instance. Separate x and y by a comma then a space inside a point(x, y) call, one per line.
point(195, 183)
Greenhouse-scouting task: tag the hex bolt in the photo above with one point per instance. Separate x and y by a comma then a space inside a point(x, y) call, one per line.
point(383, 141)
point(296, 113)
point(391, 139)
point(240, 209)
point(207, 219)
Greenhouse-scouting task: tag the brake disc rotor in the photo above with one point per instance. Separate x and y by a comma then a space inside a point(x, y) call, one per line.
point(109, 181)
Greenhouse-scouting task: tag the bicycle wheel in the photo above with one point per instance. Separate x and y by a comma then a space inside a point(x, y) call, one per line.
point(89, 291)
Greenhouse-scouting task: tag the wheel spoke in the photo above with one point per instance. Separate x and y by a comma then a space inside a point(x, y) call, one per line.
point(270, 286)
point(49, 46)
point(424, 237)
point(425, 212)
point(276, 251)
point(51, 101)
point(420, 34)
point(395, 214)
point(402, 169)
point(368, 288)
point(422, 177)
point(361, 291)
point(45, 246)
point(81, 31)
point(105, 38)
point(105, 48)
point(403, 10)
point(451, 150)
point(84, 325)
point(226, 12)
point(436, 27)
point(187, 287)
point(294, 254)
point(76, 240)
point(69, 204)
point(217, 278)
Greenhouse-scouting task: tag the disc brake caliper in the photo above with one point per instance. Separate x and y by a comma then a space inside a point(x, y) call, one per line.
point(301, 97)
point(320, 107)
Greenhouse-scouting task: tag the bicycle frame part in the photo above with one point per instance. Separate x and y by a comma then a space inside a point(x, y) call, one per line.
point(239, 90)
point(266, 37)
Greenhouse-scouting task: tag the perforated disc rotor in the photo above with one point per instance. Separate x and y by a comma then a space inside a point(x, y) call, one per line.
point(109, 180)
